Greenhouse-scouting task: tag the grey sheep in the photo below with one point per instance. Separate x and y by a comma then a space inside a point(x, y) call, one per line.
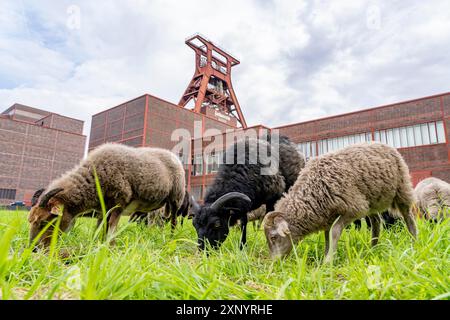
point(337, 188)
point(134, 179)
point(432, 198)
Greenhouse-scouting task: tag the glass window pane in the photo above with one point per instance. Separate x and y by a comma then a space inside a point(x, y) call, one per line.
point(425, 134)
point(340, 142)
point(351, 140)
point(440, 131)
point(417, 135)
point(432, 131)
point(377, 136)
point(390, 137)
point(383, 136)
point(403, 137)
point(330, 145)
point(362, 137)
point(344, 142)
point(410, 132)
point(396, 137)
point(335, 144)
point(368, 136)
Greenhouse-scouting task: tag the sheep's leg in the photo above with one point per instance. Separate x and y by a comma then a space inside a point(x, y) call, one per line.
point(170, 210)
point(411, 224)
point(113, 221)
point(375, 222)
point(336, 230)
point(244, 231)
point(327, 241)
point(408, 216)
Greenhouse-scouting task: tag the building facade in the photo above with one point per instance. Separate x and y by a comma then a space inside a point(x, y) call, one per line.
point(417, 128)
point(153, 122)
point(36, 147)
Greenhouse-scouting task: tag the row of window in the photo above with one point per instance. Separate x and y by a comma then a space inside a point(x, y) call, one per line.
point(9, 194)
point(402, 137)
point(212, 163)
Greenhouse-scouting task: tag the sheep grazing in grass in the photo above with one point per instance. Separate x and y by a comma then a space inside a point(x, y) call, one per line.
point(159, 216)
point(337, 188)
point(432, 199)
point(241, 186)
point(131, 179)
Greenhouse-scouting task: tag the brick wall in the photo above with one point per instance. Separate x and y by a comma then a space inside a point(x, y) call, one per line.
point(422, 161)
point(56, 121)
point(31, 156)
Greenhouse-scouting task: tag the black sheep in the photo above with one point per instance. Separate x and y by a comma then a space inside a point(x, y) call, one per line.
point(240, 186)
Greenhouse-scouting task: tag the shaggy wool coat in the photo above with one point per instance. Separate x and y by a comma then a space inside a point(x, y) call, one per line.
point(357, 181)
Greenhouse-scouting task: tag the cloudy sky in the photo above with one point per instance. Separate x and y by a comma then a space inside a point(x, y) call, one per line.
point(300, 60)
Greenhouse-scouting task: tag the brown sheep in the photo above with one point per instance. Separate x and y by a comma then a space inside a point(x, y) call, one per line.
point(134, 179)
point(337, 188)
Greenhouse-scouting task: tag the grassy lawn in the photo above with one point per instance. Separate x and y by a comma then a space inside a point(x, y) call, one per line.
point(153, 263)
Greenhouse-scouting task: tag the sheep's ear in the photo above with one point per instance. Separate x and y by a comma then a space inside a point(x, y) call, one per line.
point(57, 210)
point(269, 218)
point(282, 226)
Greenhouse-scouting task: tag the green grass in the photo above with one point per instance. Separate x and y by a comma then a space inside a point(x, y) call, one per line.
point(153, 263)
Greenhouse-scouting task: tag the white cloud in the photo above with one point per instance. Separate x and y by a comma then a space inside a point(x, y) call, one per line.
point(299, 60)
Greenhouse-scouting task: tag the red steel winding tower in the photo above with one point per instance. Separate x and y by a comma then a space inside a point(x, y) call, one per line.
point(210, 87)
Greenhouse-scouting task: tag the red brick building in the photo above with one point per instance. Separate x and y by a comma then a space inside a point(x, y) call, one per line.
point(150, 121)
point(418, 128)
point(36, 146)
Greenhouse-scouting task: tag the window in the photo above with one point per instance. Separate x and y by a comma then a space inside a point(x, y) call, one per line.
point(425, 133)
point(417, 135)
point(377, 136)
point(213, 161)
point(432, 131)
point(440, 131)
point(308, 150)
point(197, 165)
point(390, 137)
point(9, 194)
point(410, 132)
point(197, 192)
point(403, 137)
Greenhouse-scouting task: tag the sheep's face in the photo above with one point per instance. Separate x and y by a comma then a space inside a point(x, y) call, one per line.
point(277, 234)
point(43, 214)
point(211, 226)
point(212, 221)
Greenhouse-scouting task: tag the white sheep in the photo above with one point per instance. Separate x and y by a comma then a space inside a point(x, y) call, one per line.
point(432, 197)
